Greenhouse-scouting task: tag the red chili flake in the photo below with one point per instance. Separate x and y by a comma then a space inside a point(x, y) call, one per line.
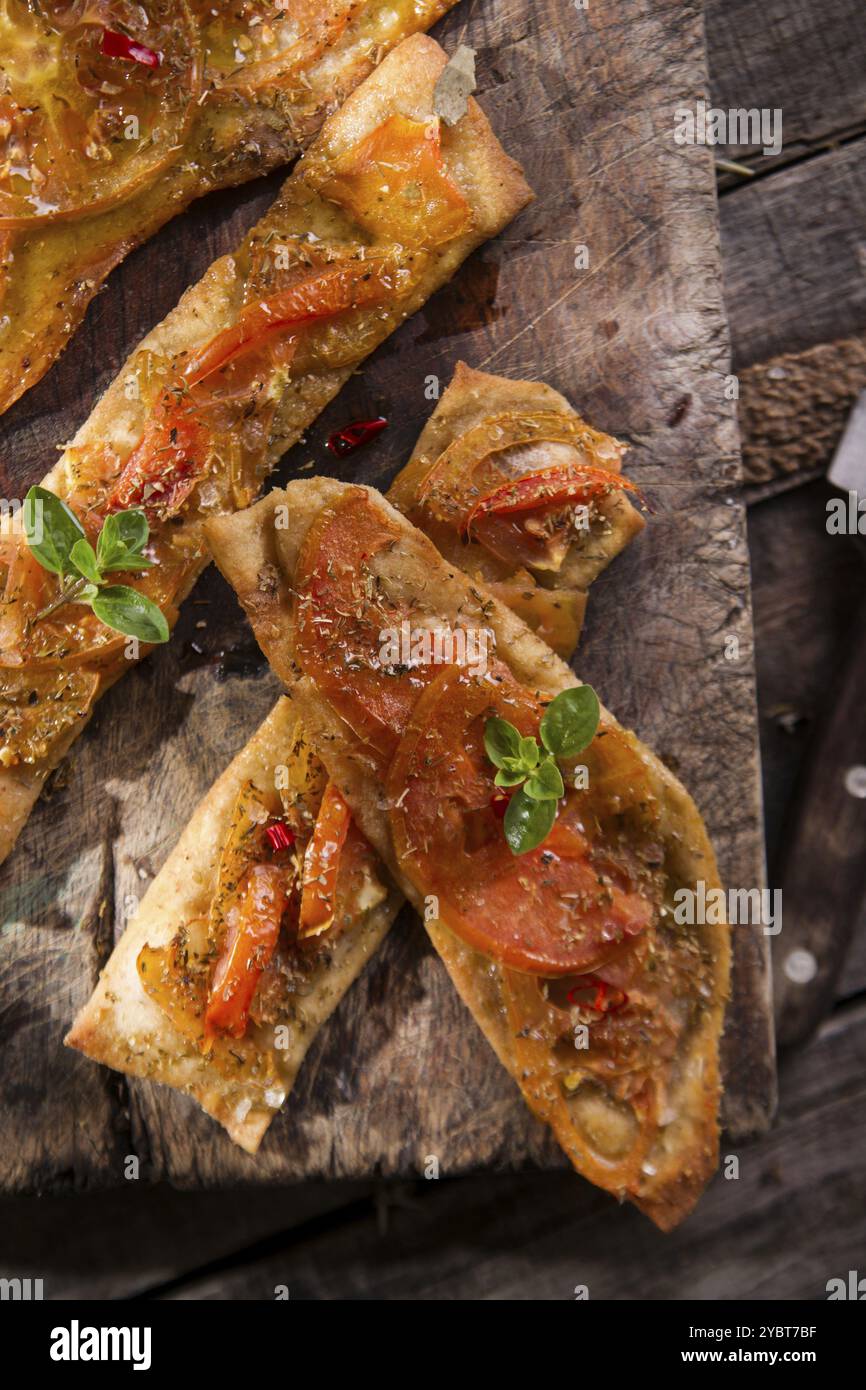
point(115, 45)
point(601, 1004)
point(279, 836)
point(355, 435)
point(499, 802)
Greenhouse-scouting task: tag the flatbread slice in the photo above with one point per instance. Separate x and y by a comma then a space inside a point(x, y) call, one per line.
point(147, 1015)
point(120, 1025)
point(215, 394)
point(488, 432)
point(604, 1010)
point(218, 94)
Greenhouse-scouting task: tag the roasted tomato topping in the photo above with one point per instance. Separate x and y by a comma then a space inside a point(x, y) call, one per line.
point(395, 182)
point(549, 487)
point(322, 864)
point(255, 43)
point(343, 619)
point(334, 290)
point(95, 100)
point(164, 466)
point(514, 481)
point(253, 932)
point(563, 908)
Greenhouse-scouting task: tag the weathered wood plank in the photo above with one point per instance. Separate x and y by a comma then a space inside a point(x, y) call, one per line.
point(787, 54)
point(794, 250)
point(804, 583)
point(790, 1221)
point(638, 341)
point(493, 1237)
point(121, 1243)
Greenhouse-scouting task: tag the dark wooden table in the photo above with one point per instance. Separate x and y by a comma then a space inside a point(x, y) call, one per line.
point(794, 244)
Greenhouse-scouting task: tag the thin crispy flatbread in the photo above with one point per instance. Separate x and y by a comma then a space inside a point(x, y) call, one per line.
point(119, 1025)
point(237, 130)
point(479, 406)
point(242, 1084)
point(258, 551)
point(494, 191)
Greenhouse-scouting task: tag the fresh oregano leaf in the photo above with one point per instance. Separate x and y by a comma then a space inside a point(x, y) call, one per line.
point(510, 776)
point(129, 612)
point(132, 528)
point(52, 529)
point(83, 557)
point(501, 741)
point(527, 822)
point(129, 561)
point(121, 540)
point(545, 783)
point(570, 721)
point(529, 753)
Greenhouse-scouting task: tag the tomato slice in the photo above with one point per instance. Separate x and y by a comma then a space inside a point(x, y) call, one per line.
point(322, 863)
point(255, 43)
point(549, 487)
point(497, 453)
point(80, 129)
point(563, 908)
point(164, 466)
point(341, 616)
point(395, 182)
point(349, 285)
point(253, 932)
point(25, 593)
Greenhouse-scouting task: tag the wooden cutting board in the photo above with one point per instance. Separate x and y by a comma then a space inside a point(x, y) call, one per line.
point(637, 339)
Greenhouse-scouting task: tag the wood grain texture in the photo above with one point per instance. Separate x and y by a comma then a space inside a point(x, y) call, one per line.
point(827, 828)
point(790, 1221)
point(806, 584)
point(771, 1232)
point(795, 255)
point(786, 54)
point(638, 343)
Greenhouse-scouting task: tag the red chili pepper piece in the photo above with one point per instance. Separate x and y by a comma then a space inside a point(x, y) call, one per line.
point(279, 836)
point(601, 1004)
point(499, 802)
point(355, 435)
point(115, 45)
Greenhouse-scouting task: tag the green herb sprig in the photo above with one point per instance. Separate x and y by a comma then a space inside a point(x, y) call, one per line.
point(58, 541)
point(568, 725)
